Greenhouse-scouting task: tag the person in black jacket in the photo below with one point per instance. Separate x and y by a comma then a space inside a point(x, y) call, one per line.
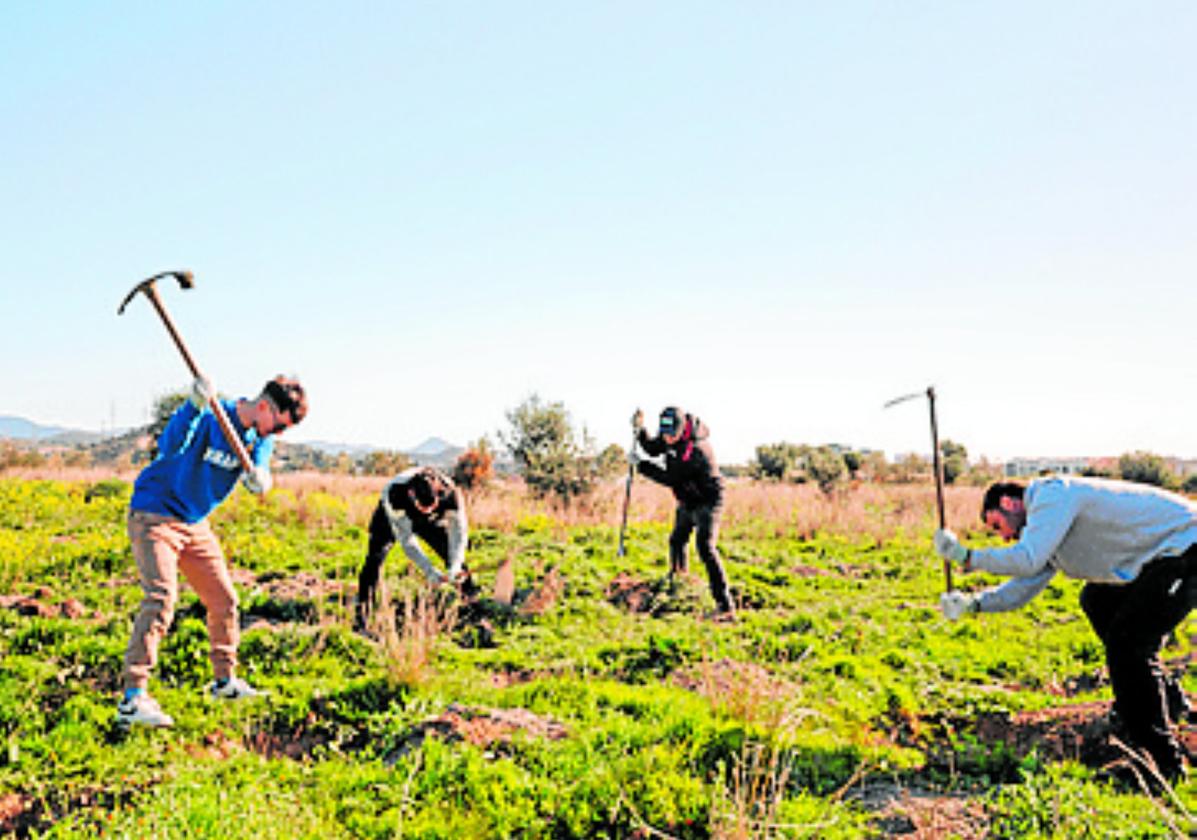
point(692, 474)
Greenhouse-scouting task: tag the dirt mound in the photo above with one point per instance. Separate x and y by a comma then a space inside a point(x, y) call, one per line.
point(631, 593)
point(538, 601)
point(481, 727)
point(41, 604)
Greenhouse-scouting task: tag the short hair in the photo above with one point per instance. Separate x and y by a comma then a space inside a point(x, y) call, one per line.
point(997, 491)
point(428, 485)
point(288, 397)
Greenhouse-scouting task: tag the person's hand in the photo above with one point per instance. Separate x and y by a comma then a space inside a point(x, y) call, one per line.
point(956, 603)
point(949, 547)
point(638, 420)
point(634, 457)
point(202, 392)
point(257, 481)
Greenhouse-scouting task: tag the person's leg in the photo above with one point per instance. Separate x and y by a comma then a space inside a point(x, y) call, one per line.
point(707, 519)
point(1133, 622)
point(156, 542)
point(203, 564)
point(683, 526)
point(382, 538)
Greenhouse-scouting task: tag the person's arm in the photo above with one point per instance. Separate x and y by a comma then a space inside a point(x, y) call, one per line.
point(406, 537)
point(459, 531)
point(1049, 518)
point(651, 446)
point(651, 471)
point(1014, 593)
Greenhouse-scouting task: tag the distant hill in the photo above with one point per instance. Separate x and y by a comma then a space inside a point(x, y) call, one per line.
point(19, 428)
point(120, 443)
point(435, 452)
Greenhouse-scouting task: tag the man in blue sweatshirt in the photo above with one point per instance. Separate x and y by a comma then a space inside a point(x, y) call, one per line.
point(1136, 548)
point(194, 471)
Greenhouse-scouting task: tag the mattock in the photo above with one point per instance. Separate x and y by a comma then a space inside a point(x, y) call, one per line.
point(187, 281)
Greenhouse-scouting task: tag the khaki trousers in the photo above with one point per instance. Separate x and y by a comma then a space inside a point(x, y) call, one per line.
point(163, 547)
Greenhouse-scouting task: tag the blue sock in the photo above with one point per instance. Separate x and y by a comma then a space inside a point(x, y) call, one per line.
point(130, 693)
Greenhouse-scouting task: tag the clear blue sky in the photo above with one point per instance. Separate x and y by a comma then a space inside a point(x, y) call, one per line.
point(778, 215)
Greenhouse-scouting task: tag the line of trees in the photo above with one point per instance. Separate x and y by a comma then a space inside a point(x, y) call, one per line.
point(555, 459)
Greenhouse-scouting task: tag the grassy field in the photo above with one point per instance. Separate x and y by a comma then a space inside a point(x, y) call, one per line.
point(601, 704)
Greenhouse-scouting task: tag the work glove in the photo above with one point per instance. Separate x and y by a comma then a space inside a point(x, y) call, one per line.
point(949, 547)
point(257, 481)
point(202, 392)
point(956, 603)
point(638, 420)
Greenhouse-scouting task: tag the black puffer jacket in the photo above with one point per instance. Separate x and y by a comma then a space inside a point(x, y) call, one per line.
point(690, 467)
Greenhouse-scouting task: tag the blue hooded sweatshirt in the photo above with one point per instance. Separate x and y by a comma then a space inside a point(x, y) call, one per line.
point(196, 468)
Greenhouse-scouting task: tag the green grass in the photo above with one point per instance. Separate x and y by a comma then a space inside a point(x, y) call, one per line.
point(841, 644)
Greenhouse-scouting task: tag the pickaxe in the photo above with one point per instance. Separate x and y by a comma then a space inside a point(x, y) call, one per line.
point(186, 281)
point(937, 465)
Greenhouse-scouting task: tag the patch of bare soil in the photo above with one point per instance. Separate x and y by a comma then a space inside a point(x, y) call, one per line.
point(43, 604)
point(22, 815)
point(296, 746)
point(292, 598)
point(631, 593)
point(923, 814)
point(479, 726)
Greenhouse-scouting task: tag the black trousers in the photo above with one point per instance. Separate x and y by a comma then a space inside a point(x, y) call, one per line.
point(704, 518)
point(1133, 621)
point(382, 540)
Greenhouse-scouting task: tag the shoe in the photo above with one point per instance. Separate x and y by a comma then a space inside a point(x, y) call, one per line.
point(142, 710)
point(234, 688)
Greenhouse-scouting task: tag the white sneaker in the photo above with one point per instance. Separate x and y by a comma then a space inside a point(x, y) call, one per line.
point(142, 710)
point(235, 689)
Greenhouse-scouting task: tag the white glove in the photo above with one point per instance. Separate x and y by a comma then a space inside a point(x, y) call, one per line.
point(258, 481)
point(202, 392)
point(956, 603)
point(634, 457)
point(949, 547)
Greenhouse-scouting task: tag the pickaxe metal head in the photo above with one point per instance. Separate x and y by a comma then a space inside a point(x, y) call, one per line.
point(186, 280)
point(929, 393)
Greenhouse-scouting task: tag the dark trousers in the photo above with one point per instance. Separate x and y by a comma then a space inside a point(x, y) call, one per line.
point(1133, 621)
point(382, 540)
point(704, 518)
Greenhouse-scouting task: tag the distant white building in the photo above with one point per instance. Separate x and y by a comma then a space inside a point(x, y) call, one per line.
point(1042, 466)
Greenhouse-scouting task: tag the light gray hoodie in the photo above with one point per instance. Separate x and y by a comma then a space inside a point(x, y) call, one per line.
point(1088, 528)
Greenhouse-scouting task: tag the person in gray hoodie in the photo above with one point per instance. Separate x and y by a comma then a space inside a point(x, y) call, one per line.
point(691, 472)
point(1136, 548)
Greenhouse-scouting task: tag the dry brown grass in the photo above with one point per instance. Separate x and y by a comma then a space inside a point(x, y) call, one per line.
point(863, 510)
point(873, 511)
point(410, 633)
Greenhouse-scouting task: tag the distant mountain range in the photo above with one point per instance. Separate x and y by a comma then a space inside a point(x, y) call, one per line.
point(18, 428)
point(434, 450)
